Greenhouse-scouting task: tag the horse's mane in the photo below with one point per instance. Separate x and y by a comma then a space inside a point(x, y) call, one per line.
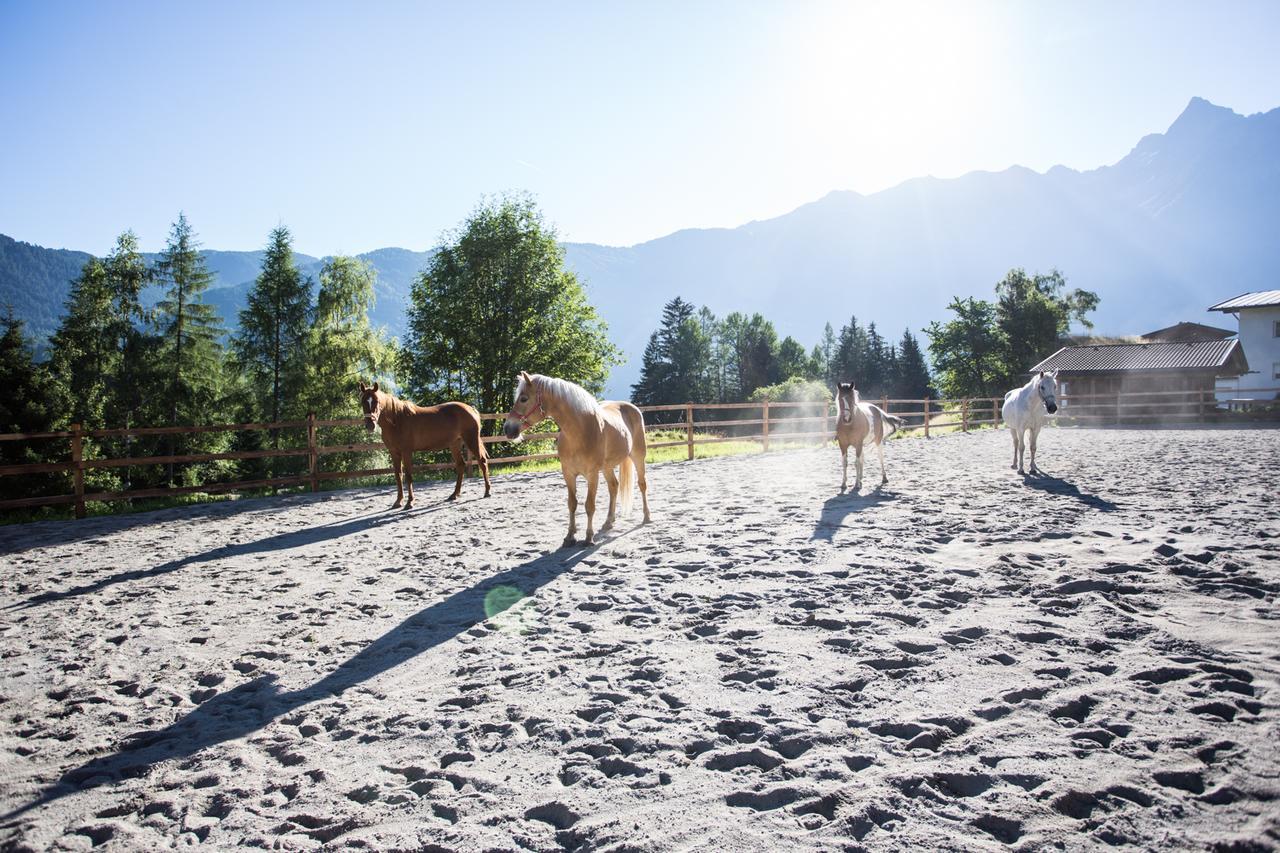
point(576, 397)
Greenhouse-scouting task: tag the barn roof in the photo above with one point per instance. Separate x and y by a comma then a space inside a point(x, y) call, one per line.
point(1222, 357)
point(1186, 331)
point(1257, 299)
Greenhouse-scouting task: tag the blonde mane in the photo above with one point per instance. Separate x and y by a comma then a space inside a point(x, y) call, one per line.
point(577, 398)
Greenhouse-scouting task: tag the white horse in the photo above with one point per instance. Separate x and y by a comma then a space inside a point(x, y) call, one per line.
point(1028, 408)
point(594, 439)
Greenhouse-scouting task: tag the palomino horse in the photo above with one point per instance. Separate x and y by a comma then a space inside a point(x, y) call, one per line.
point(858, 422)
point(594, 438)
point(406, 428)
point(1028, 408)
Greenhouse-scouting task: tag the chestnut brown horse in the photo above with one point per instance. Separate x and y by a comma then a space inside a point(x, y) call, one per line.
point(406, 428)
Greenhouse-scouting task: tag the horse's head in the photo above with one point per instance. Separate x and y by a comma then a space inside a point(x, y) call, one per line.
point(371, 405)
point(847, 399)
point(1047, 388)
point(526, 411)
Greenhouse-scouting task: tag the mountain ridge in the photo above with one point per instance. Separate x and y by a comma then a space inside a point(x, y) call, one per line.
point(1183, 216)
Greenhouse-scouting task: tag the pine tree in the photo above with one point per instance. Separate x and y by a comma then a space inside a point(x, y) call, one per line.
point(912, 374)
point(189, 329)
point(270, 344)
point(28, 405)
point(83, 353)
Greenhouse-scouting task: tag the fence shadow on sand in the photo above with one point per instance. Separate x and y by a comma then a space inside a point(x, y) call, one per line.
point(252, 706)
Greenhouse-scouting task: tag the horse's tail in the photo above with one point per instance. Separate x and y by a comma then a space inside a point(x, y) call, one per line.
point(893, 420)
point(626, 485)
point(473, 439)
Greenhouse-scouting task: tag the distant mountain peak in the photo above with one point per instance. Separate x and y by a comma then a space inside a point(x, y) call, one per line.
point(1200, 113)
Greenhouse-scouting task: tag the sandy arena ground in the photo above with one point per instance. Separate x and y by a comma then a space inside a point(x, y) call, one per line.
point(964, 660)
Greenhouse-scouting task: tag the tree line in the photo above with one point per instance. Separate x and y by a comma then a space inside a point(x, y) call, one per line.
point(694, 356)
point(494, 300)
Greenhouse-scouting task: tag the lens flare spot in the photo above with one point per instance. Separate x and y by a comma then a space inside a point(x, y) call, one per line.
point(500, 598)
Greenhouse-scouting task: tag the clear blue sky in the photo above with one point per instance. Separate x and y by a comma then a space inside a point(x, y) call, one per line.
point(383, 124)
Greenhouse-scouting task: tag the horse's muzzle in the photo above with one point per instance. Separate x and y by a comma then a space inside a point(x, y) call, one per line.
point(1052, 407)
point(369, 424)
point(511, 430)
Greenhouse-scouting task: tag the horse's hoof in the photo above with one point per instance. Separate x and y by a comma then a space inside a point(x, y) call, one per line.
point(409, 505)
point(568, 542)
point(589, 539)
point(452, 497)
point(647, 520)
point(396, 504)
point(486, 493)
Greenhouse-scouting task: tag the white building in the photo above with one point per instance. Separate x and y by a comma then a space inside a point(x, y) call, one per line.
point(1259, 317)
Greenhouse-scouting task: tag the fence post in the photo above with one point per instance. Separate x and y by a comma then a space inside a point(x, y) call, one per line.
point(964, 415)
point(766, 426)
point(77, 459)
point(312, 458)
point(688, 426)
point(997, 415)
point(926, 418)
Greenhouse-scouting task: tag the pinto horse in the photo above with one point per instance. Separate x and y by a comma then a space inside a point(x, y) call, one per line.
point(1028, 409)
point(406, 428)
point(594, 438)
point(859, 422)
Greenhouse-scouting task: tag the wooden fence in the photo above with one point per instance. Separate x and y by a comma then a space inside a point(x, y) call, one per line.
point(777, 422)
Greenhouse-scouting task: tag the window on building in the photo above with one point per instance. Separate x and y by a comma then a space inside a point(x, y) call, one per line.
point(1275, 370)
point(1275, 328)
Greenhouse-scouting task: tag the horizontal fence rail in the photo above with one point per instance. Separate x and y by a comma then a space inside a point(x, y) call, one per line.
point(777, 421)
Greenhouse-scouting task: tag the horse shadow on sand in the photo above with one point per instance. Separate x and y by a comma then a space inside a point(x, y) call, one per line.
point(1058, 486)
point(252, 706)
point(276, 542)
point(837, 508)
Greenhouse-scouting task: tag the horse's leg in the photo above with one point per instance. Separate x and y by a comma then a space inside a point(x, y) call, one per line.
point(1013, 433)
point(884, 477)
point(459, 468)
point(857, 449)
point(593, 481)
point(571, 481)
point(408, 477)
point(1022, 449)
point(844, 471)
point(395, 469)
point(638, 461)
point(482, 459)
point(1035, 433)
point(611, 480)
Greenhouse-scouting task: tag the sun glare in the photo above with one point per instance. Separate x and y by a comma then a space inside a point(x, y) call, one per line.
point(892, 85)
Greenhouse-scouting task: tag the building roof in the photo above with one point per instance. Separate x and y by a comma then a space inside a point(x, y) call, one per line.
point(1258, 299)
point(1186, 331)
point(1225, 358)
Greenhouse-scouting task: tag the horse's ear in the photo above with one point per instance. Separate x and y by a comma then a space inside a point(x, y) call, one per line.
point(361, 386)
point(525, 376)
point(1042, 374)
point(375, 387)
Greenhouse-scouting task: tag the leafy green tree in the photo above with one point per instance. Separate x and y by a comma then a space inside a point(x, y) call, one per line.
point(343, 348)
point(1033, 314)
point(496, 299)
point(757, 354)
point(127, 276)
point(792, 360)
point(968, 350)
point(270, 344)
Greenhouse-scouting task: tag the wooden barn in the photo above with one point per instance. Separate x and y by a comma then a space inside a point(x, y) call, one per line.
point(1118, 381)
